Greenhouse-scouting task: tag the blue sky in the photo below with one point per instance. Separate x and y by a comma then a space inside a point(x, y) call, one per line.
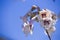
point(11, 10)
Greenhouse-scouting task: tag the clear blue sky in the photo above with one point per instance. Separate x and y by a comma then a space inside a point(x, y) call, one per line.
point(11, 10)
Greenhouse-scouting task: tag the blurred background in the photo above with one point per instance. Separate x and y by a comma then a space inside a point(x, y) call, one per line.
point(10, 22)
